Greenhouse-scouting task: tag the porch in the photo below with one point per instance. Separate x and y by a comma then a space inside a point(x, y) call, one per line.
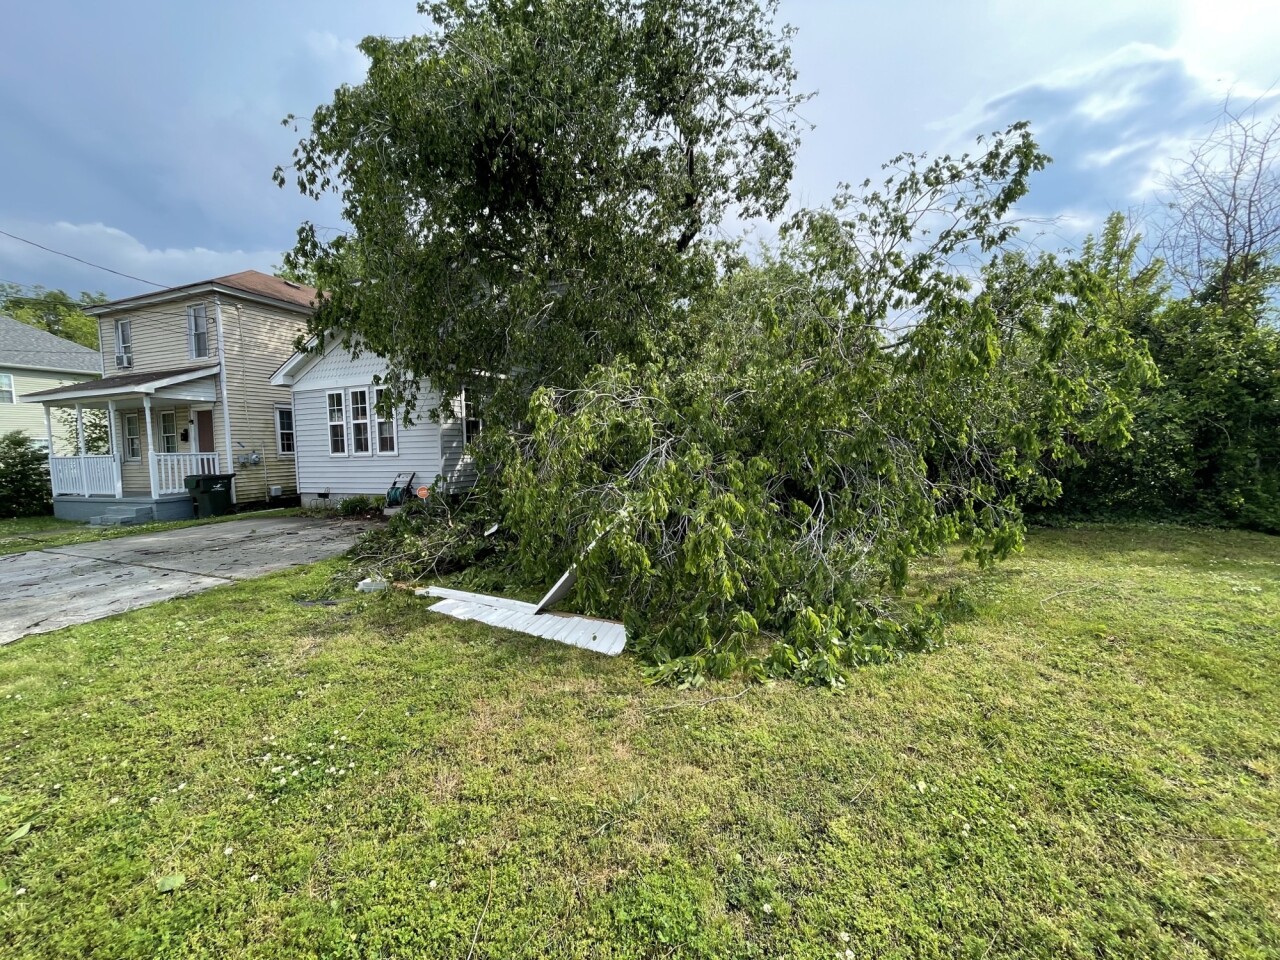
point(159, 429)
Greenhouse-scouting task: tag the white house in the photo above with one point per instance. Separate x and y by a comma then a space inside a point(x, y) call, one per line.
point(342, 446)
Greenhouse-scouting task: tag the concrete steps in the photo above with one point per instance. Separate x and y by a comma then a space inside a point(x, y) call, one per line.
point(123, 517)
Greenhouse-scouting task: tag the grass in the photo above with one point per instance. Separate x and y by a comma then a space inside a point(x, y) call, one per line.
point(1088, 769)
point(18, 535)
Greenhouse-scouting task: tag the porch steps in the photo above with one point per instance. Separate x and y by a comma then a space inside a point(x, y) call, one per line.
point(123, 517)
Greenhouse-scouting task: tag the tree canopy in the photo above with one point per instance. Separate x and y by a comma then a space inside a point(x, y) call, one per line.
point(55, 311)
point(534, 189)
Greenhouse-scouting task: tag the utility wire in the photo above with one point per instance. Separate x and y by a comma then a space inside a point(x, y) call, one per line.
point(87, 263)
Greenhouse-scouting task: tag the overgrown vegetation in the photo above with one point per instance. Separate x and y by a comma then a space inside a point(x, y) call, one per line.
point(24, 477)
point(746, 460)
point(1086, 769)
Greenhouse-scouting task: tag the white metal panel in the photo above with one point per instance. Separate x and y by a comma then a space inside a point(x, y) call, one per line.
point(599, 636)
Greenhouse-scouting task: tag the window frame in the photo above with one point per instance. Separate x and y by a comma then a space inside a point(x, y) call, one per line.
point(379, 421)
point(468, 416)
point(280, 432)
point(202, 311)
point(124, 323)
point(11, 389)
point(355, 421)
point(165, 436)
point(131, 438)
point(341, 422)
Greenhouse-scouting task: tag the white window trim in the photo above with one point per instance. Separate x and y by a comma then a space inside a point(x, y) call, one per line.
point(160, 445)
point(466, 439)
point(120, 352)
point(191, 332)
point(136, 435)
point(6, 386)
point(352, 421)
point(330, 423)
point(293, 429)
point(377, 427)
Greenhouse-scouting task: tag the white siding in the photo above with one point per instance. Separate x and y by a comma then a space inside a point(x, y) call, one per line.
point(458, 468)
point(417, 445)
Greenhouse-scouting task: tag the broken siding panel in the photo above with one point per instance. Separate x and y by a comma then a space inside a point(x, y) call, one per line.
point(257, 339)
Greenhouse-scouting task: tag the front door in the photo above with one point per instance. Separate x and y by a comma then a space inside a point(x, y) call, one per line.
point(204, 431)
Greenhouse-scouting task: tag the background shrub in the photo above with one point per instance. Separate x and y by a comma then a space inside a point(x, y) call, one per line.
point(24, 477)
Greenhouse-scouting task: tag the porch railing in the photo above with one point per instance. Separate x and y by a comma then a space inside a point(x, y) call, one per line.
point(87, 476)
point(172, 469)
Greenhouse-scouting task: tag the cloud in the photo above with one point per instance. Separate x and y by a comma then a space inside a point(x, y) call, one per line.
point(1116, 126)
point(114, 248)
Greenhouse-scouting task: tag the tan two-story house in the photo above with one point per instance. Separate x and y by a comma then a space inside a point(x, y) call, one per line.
point(187, 391)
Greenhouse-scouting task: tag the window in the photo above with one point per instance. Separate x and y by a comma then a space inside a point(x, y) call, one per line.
point(6, 388)
point(337, 426)
point(284, 431)
point(168, 431)
point(359, 421)
point(472, 422)
point(386, 428)
point(198, 331)
point(132, 437)
point(124, 344)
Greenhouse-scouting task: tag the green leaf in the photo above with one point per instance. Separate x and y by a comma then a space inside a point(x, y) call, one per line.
point(170, 883)
point(18, 834)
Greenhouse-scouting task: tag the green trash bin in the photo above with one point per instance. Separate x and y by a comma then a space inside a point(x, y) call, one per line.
point(210, 493)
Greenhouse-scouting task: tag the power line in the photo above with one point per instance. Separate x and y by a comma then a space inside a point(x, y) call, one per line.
point(87, 263)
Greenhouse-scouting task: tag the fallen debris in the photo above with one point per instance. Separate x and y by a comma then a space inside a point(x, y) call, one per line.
point(586, 633)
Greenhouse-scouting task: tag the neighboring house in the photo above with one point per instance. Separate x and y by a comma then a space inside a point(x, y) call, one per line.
point(187, 392)
point(344, 447)
point(32, 359)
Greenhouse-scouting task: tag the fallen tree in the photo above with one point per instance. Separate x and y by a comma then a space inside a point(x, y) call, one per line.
point(744, 459)
point(753, 502)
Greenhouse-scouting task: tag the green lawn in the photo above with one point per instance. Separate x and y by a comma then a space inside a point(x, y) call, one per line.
point(34, 533)
point(1090, 768)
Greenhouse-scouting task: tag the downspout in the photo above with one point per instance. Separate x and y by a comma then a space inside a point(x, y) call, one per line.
point(244, 395)
point(222, 387)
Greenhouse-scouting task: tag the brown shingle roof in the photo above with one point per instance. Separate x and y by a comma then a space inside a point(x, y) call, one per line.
point(265, 285)
point(247, 281)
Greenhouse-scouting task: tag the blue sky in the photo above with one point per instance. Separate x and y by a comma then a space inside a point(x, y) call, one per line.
point(142, 135)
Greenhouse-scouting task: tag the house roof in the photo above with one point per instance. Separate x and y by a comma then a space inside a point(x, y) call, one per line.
point(251, 283)
point(22, 345)
point(125, 383)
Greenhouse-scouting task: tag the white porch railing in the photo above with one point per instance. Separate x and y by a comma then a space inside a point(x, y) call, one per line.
point(87, 476)
point(172, 469)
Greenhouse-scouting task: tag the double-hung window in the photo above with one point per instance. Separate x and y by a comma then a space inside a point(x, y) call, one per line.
point(132, 437)
point(6, 388)
point(124, 344)
point(284, 430)
point(387, 427)
point(337, 425)
point(168, 431)
point(359, 421)
point(198, 331)
point(472, 421)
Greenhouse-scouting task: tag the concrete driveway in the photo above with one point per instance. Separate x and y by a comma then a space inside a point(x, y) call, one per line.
point(61, 586)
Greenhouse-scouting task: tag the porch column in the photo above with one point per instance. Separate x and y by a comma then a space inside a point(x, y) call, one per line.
point(114, 441)
point(84, 470)
point(48, 432)
point(151, 444)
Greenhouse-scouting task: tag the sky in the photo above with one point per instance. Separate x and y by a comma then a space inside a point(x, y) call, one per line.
point(141, 136)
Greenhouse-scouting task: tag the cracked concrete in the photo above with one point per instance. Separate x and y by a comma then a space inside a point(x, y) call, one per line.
point(47, 589)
